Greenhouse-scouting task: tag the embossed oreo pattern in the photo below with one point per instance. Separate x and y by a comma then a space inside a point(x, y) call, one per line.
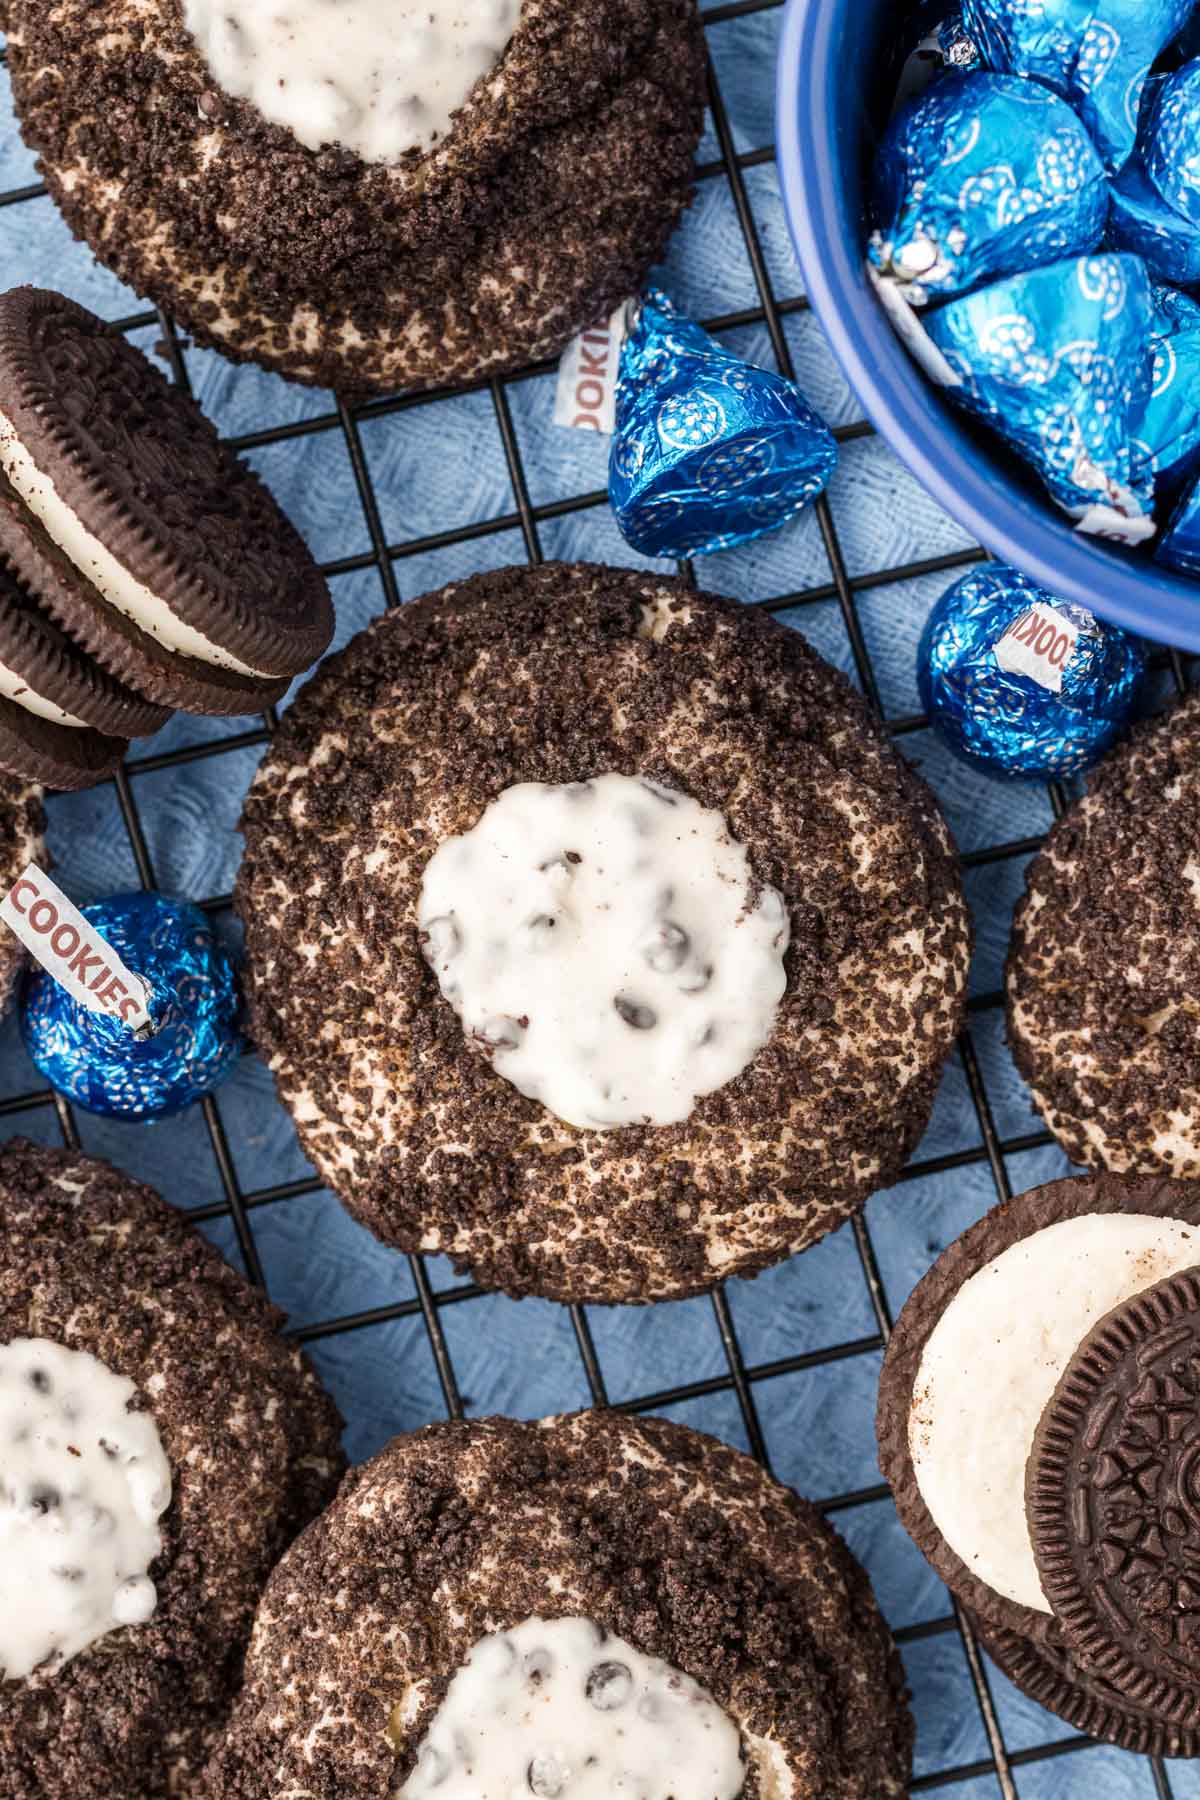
point(144, 470)
point(1113, 1494)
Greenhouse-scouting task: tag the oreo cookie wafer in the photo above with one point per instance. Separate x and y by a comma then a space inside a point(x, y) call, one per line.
point(126, 522)
point(975, 1438)
point(1113, 1500)
point(1050, 1675)
point(63, 719)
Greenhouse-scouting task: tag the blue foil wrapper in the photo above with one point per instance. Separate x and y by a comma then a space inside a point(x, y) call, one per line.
point(1170, 142)
point(1166, 428)
point(934, 41)
point(193, 1004)
point(708, 451)
point(985, 175)
point(1141, 223)
point(1056, 362)
point(1179, 547)
point(1021, 683)
point(1095, 53)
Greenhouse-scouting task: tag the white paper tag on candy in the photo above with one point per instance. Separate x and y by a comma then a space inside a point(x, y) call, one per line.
point(586, 396)
point(71, 950)
point(1038, 644)
point(911, 332)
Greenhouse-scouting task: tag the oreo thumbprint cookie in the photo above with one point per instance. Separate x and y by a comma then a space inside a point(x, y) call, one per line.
point(143, 567)
point(160, 1446)
point(1104, 965)
point(1039, 1423)
point(596, 936)
point(581, 1608)
point(407, 195)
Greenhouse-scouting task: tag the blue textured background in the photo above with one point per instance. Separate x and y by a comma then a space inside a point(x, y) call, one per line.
point(437, 466)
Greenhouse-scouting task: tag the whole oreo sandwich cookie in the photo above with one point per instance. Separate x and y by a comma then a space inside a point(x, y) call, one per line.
point(407, 195)
point(22, 824)
point(1104, 966)
point(1037, 1416)
point(596, 936)
point(162, 1446)
point(593, 1605)
point(144, 566)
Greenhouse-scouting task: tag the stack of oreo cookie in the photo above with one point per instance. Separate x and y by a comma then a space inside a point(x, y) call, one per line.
point(143, 567)
point(1039, 1422)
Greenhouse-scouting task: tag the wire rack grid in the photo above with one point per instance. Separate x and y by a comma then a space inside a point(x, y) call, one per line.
point(977, 1736)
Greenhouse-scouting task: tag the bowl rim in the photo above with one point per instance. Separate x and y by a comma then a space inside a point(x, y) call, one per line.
point(1017, 528)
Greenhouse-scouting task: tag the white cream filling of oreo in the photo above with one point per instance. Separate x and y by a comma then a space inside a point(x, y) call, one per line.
point(83, 1483)
point(380, 77)
point(598, 941)
point(992, 1362)
point(558, 1710)
point(110, 578)
point(15, 687)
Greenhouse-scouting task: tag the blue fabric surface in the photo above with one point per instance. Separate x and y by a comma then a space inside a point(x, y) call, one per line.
point(440, 465)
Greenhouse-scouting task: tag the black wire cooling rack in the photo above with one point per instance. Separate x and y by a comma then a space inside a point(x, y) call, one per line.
point(740, 1377)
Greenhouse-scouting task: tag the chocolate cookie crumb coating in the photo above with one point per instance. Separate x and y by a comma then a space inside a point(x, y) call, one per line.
point(997, 1231)
point(1104, 964)
point(22, 841)
point(96, 1262)
point(684, 1548)
point(541, 211)
point(555, 675)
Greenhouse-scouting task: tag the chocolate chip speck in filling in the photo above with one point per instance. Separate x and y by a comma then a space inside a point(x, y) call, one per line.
point(561, 675)
point(640, 1531)
point(536, 213)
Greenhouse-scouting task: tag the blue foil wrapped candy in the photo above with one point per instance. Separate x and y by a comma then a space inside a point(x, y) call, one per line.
point(708, 451)
point(934, 41)
point(193, 1004)
point(1179, 547)
point(1095, 53)
point(1141, 223)
point(1171, 147)
point(1056, 362)
point(1166, 428)
point(1023, 684)
point(984, 175)
point(1155, 210)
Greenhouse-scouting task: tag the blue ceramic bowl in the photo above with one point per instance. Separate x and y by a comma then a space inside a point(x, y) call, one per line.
point(830, 101)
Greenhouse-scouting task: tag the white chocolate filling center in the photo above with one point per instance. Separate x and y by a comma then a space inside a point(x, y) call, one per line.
point(111, 579)
point(991, 1365)
point(598, 942)
point(83, 1483)
point(379, 77)
point(557, 1710)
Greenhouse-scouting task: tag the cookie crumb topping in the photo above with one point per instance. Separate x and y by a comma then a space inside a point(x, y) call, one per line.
point(605, 943)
